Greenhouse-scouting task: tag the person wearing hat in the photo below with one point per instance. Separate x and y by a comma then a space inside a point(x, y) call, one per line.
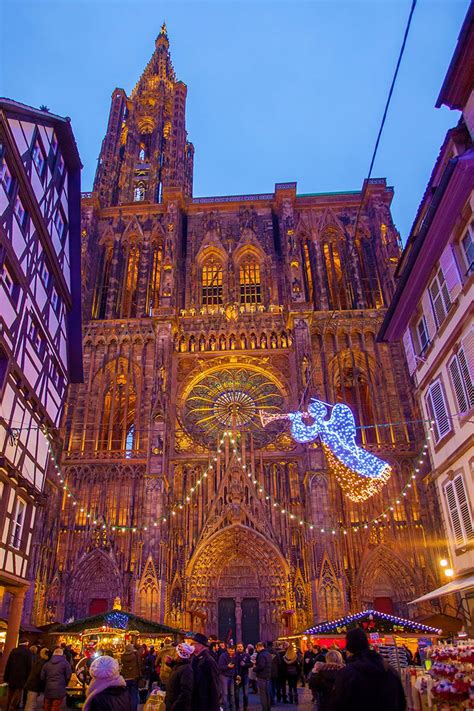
point(366, 683)
point(206, 689)
point(56, 674)
point(16, 673)
point(108, 689)
point(165, 660)
point(131, 667)
point(179, 688)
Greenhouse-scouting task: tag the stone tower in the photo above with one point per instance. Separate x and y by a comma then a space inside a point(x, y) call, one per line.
point(200, 313)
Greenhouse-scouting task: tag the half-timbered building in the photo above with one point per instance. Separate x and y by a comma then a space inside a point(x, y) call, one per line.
point(40, 323)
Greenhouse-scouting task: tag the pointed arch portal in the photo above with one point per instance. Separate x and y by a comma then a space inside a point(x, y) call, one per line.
point(237, 581)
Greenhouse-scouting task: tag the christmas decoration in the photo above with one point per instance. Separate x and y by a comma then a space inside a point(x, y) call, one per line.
point(117, 620)
point(372, 621)
point(360, 473)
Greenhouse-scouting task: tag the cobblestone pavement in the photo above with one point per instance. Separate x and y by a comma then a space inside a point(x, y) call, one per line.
point(304, 702)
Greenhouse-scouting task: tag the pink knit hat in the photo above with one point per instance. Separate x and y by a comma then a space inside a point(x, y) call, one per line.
point(184, 650)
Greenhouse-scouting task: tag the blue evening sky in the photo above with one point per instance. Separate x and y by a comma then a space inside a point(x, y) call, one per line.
point(277, 90)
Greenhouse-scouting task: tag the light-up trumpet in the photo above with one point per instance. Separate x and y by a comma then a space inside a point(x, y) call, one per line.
point(360, 473)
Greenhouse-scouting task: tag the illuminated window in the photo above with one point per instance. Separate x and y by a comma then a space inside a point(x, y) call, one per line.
point(154, 283)
point(139, 192)
point(212, 282)
point(249, 279)
point(334, 277)
point(129, 304)
point(309, 276)
point(129, 441)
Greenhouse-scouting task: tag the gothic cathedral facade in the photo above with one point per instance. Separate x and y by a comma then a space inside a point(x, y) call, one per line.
point(199, 315)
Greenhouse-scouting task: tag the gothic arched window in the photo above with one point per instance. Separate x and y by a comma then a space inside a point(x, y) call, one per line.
point(153, 296)
point(117, 431)
point(249, 281)
point(330, 600)
point(103, 283)
point(129, 301)
point(353, 387)
point(369, 275)
point(211, 282)
point(334, 275)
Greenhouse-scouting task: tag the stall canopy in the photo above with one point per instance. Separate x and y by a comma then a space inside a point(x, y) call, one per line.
point(453, 587)
point(372, 621)
point(116, 619)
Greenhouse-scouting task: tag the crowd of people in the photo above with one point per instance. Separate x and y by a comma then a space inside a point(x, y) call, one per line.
point(205, 674)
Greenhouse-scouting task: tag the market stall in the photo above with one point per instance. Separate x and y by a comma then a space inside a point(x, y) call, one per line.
point(387, 633)
point(111, 631)
point(446, 680)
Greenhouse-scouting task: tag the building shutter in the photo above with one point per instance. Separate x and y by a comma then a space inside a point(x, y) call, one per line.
point(458, 385)
point(428, 314)
point(463, 507)
point(454, 514)
point(466, 377)
point(409, 351)
point(468, 348)
point(438, 410)
point(450, 272)
point(440, 298)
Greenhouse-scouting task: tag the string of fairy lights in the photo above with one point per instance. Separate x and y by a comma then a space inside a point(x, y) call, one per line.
point(91, 517)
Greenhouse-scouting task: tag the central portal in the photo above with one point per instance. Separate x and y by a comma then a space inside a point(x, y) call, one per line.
point(239, 621)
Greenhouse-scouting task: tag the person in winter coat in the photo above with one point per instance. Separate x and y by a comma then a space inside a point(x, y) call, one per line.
point(322, 678)
point(108, 689)
point(179, 688)
point(263, 670)
point(309, 659)
point(227, 666)
point(16, 673)
point(252, 676)
point(165, 656)
point(244, 664)
point(131, 668)
point(366, 683)
point(292, 671)
point(206, 689)
point(34, 685)
point(56, 674)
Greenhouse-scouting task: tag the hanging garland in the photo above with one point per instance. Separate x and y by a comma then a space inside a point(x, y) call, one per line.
point(193, 490)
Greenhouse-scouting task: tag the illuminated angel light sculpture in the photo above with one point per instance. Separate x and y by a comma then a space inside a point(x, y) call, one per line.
point(359, 473)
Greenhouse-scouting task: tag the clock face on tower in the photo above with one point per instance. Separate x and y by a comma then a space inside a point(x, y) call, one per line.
point(232, 397)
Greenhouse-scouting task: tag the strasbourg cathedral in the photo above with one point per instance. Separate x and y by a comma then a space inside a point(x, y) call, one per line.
point(199, 315)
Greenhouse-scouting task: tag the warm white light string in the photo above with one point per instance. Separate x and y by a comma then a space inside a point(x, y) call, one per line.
point(176, 508)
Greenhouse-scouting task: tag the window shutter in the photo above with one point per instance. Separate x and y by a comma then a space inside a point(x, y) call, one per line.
point(468, 348)
point(438, 410)
point(454, 514)
point(457, 379)
point(440, 298)
point(451, 273)
point(409, 351)
point(466, 378)
point(428, 314)
point(463, 507)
